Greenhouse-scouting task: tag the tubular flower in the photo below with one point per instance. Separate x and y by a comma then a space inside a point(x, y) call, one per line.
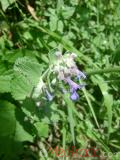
point(66, 69)
point(74, 86)
point(81, 75)
point(74, 96)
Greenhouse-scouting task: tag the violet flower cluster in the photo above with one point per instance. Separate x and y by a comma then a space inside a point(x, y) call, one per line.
point(65, 71)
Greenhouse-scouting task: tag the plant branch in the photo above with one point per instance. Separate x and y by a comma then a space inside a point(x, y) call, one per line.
point(102, 71)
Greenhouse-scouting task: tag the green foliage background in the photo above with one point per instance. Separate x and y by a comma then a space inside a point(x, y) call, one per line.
point(29, 30)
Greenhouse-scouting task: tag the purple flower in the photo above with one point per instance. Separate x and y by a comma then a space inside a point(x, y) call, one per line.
point(74, 86)
point(49, 96)
point(80, 75)
point(74, 96)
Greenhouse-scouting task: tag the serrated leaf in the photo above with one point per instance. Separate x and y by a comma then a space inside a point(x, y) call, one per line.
point(5, 84)
point(12, 131)
point(20, 87)
point(10, 125)
point(29, 68)
point(27, 75)
point(21, 135)
point(23, 130)
point(42, 129)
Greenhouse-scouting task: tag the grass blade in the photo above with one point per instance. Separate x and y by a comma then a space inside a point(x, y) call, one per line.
point(90, 106)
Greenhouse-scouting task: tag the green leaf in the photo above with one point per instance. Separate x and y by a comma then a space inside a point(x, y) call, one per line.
point(7, 118)
point(24, 128)
point(6, 3)
point(26, 77)
point(21, 134)
point(60, 26)
point(5, 83)
point(49, 113)
point(42, 129)
point(52, 56)
point(53, 22)
point(12, 56)
point(20, 87)
point(29, 68)
point(30, 109)
point(68, 12)
point(12, 131)
point(108, 99)
point(7, 128)
point(2, 68)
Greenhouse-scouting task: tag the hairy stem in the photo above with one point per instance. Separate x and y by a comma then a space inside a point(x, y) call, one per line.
point(102, 71)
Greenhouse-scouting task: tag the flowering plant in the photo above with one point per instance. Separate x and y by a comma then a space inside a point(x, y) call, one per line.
point(64, 73)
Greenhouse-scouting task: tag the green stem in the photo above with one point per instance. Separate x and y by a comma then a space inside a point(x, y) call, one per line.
point(105, 70)
point(70, 106)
